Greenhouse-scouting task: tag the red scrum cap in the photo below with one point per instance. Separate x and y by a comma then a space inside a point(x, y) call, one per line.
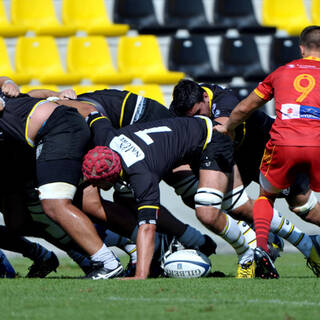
point(101, 163)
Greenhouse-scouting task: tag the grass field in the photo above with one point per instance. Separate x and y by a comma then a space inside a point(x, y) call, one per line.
point(296, 295)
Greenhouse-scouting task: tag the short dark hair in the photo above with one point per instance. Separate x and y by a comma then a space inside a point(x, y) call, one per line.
point(185, 95)
point(310, 37)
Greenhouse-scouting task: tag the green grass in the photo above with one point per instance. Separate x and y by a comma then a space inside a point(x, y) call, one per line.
point(296, 295)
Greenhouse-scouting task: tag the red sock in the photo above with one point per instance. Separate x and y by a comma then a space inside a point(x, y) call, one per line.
point(262, 216)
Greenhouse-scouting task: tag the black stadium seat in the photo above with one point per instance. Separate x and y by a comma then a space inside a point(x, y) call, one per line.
point(140, 15)
point(191, 56)
point(282, 51)
point(190, 15)
point(239, 57)
point(242, 91)
point(238, 14)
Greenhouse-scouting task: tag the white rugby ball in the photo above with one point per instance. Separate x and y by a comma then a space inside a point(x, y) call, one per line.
point(186, 263)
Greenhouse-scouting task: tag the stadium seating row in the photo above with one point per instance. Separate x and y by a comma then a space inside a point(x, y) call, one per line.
point(87, 58)
point(139, 57)
point(237, 57)
point(91, 16)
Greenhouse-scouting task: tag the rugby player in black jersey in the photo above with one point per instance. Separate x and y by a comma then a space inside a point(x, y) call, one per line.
point(143, 153)
point(123, 108)
point(189, 236)
point(59, 136)
point(191, 98)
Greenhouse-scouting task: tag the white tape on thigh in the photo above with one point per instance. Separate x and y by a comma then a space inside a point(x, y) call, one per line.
point(309, 205)
point(234, 199)
point(57, 190)
point(208, 197)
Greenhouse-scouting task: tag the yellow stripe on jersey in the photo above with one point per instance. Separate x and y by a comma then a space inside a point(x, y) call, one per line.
point(30, 143)
point(312, 58)
point(209, 130)
point(123, 107)
point(259, 94)
point(98, 118)
point(148, 207)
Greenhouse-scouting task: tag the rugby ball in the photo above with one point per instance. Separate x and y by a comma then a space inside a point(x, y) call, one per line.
point(186, 263)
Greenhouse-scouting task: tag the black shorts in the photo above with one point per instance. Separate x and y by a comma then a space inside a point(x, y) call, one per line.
point(61, 144)
point(17, 165)
point(217, 156)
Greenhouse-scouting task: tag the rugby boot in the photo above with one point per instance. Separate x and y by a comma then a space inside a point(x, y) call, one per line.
point(313, 262)
point(42, 267)
point(265, 268)
point(246, 270)
point(100, 272)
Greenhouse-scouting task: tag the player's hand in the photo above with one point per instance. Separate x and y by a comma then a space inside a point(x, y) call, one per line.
point(10, 89)
point(222, 128)
point(67, 94)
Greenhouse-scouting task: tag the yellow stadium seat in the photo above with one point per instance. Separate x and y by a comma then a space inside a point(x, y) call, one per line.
point(6, 68)
point(288, 15)
point(315, 12)
point(39, 16)
point(91, 16)
point(141, 56)
point(152, 91)
point(7, 29)
point(39, 57)
point(88, 88)
point(91, 57)
point(27, 88)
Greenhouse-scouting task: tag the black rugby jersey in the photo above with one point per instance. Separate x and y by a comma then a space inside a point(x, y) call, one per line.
point(14, 118)
point(123, 107)
point(250, 137)
point(222, 101)
point(151, 150)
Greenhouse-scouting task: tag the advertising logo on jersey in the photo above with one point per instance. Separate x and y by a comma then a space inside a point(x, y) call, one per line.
point(296, 111)
point(128, 150)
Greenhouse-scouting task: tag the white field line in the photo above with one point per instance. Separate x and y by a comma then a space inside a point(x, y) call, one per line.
point(202, 301)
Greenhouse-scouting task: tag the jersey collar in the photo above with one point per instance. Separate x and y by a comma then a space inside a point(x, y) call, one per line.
point(312, 58)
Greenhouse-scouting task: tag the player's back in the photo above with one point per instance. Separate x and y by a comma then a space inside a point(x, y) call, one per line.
point(158, 146)
point(123, 107)
point(14, 117)
point(297, 100)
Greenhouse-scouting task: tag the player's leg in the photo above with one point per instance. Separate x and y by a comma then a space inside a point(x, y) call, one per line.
point(212, 186)
point(60, 147)
point(168, 224)
point(45, 261)
point(302, 201)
